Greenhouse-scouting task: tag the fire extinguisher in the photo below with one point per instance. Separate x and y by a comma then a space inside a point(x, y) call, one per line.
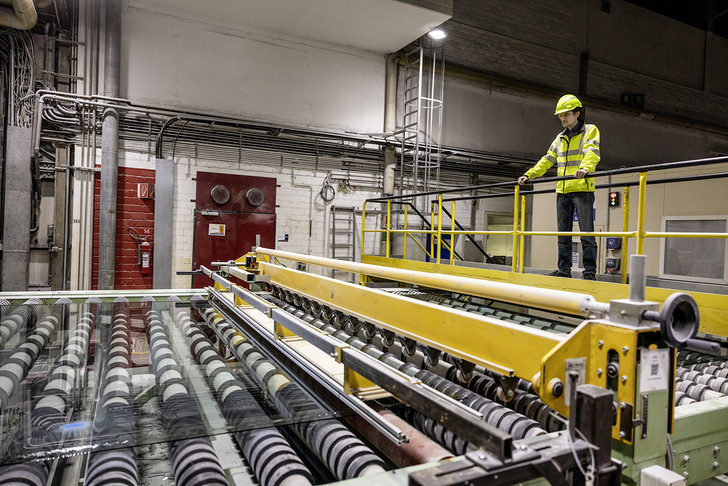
point(144, 251)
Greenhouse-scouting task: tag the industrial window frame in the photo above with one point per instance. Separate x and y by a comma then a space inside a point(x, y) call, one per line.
point(666, 242)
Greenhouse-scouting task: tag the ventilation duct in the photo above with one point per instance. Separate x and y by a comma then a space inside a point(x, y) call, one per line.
point(22, 16)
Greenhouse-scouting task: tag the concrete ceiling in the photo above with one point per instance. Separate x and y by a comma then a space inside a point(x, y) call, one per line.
point(376, 25)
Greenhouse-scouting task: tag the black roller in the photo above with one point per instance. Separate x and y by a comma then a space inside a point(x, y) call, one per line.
point(269, 453)
point(329, 439)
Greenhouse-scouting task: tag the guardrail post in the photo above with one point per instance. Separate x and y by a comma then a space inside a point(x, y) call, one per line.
point(363, 227)
point(625, 239)
point(452, 234)
point(389, 224)
point(514, 256)
point(522, 238)
point(641, 214)
point(406, 234)
point(439, 227)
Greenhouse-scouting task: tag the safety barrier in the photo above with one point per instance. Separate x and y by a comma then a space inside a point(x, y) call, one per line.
point(440, 236)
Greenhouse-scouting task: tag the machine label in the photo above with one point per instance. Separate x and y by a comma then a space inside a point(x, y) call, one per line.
point(215, 229)
point(654, 372)
point(578, 365)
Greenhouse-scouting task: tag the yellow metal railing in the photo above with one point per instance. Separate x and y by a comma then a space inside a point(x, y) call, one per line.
point(439, 232)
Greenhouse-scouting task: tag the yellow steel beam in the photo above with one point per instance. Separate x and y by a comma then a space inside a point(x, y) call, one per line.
point(482, 340)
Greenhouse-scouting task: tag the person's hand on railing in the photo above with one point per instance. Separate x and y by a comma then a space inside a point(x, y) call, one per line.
point(580, 174)
point(522, 180)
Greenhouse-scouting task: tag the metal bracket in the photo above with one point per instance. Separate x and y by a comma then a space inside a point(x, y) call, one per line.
point(626, 425)
point(465, 368)
point(409, 346)
point(432, 355)
point(508, 385)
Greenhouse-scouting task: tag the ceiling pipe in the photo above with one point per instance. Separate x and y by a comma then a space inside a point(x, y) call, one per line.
point(22, 16)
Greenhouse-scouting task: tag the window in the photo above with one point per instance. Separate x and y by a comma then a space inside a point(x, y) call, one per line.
point(694, 259)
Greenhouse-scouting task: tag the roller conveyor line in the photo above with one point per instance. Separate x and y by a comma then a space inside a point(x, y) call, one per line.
point(17, 319)
point(194, 460)
point(273, 459)
point(114, 420)
point(51, 411)
point(495, 414)
point(701, 377)
point(529, 404)
point(14, 370)
point(345, 455)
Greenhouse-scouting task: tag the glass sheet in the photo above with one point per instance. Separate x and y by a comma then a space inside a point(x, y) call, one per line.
point(75, 378)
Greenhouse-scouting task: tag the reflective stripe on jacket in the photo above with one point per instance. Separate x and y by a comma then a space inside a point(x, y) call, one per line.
point(581, 151)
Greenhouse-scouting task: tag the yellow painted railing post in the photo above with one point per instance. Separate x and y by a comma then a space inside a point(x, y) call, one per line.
point(406, 235)
point(452, 234)
point(521, 243)
point(514, 256)
point(389, 224)
point(432, 230)
point(439, 227)
point(641, 214)
point(625, 240)
point(363, 221)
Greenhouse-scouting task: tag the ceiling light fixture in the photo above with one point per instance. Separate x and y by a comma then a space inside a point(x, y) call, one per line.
point(437, 33)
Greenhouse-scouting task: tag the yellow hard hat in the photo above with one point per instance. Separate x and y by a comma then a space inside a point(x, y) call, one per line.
point(567, 103)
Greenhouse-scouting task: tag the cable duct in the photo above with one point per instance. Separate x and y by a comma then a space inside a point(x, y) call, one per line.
point(22, 16)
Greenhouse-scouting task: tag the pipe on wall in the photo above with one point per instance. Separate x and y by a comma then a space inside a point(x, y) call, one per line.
point(22, 16)
point(109, 149)
point(390, 121)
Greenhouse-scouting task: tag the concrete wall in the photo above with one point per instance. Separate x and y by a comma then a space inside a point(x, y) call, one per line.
point(498, 120)
point(630, 49)
point(183, 64)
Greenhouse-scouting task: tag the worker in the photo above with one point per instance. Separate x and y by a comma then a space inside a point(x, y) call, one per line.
point(575, 151)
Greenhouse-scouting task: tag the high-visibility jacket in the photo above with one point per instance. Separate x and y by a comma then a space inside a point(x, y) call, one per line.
point(580, 151)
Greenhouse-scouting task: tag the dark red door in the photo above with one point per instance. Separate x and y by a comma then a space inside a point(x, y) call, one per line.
point(232, 213)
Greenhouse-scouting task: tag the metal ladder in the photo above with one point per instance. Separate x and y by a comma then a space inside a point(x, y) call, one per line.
point(343, 239)
point(423, 92)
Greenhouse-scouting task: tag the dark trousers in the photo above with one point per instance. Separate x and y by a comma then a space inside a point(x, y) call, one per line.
point(583, 203)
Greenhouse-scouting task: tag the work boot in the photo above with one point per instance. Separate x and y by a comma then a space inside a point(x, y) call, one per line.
point(557, 273)
point(588, 276)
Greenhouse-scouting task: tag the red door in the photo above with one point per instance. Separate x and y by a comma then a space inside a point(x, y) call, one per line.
point(232, 212)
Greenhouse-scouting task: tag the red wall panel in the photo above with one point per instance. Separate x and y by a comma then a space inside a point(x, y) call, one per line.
point(131, 212)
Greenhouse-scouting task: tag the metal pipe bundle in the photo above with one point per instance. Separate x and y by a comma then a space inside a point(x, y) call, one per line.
point(273, 459)
point(194, 460)
point(337, 447)
point(114, 419)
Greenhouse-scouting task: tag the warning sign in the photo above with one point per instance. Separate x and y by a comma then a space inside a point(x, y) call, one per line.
point(215, 229)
